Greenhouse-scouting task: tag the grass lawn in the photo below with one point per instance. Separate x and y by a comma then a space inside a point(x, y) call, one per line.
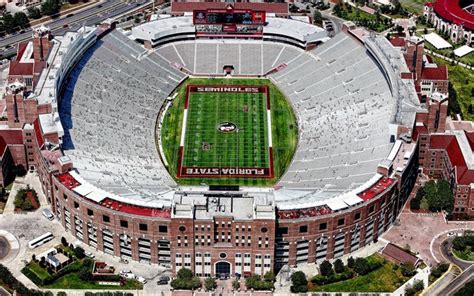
point(38, 270)
point(207, 147)
point(358, 16)
point(413, 6)
point(72, 281)
point(383, 279)
point(467, 254)
point(463, 82)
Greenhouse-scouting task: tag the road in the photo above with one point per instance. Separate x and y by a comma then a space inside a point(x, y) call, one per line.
point(89, 16)
point(446, 251)
point(459, 282)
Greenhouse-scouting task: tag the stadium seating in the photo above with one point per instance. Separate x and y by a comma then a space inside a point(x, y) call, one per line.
point(110, 108)
point(340, 96)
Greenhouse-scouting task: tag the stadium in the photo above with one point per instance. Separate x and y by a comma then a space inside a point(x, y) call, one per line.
point(232, 148)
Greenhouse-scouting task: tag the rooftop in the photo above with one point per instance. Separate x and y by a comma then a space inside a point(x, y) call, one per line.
point(375, 190)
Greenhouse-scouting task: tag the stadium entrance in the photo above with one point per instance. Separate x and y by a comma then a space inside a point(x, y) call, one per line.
point(223, 268)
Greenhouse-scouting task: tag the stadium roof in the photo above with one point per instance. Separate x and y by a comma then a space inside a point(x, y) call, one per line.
point(451, 11)
point(278, 8)
point(184, 24)
point(437, 41)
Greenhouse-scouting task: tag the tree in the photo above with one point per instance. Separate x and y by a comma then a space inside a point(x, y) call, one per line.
point(210, 284)
point(235, 284)
point(299, 283)
point(325, 268)
point(21, 20)
point(338, 266)
point(399, 29)
point(408, 269)
point(439, 195)
point(64, 241)
point(184, 274)
point(317, 17)
point(50, 7)
point(79, 252)
point(361, 266)
point(269, 276)
point(34, 13)
point(33, 257)
point(85, 274)
point(350, 262)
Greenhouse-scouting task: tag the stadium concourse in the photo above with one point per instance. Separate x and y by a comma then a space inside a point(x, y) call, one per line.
point(107, 181)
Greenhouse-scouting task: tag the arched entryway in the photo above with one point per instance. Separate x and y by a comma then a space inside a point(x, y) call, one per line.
point(223, 268)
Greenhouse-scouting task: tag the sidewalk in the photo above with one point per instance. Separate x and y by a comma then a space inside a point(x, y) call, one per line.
point(448, 59)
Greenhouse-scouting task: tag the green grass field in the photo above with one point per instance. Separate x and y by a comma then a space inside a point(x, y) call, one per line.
point(413, 6)
point(206, 146)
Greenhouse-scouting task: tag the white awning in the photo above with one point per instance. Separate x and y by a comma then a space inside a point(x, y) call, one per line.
point(437, 41)
point(336, 205)
point(83, 189)
point(463, 50)
point(353, 200)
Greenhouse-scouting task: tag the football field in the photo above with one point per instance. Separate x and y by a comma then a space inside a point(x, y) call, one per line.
point(226, 132)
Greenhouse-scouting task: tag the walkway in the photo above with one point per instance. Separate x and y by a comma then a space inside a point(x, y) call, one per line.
point(448, 59)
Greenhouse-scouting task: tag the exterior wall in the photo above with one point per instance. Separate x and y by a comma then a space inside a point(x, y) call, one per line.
point(457, 33)
point(360, 227)
point(80, 216)
point(247, 246)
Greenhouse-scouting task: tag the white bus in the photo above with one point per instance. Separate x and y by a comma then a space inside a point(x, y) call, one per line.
point(32, 244)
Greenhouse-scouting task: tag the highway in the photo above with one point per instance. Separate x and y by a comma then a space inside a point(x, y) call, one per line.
point(89, 16)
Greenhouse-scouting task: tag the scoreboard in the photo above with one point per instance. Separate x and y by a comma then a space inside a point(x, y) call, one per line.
point(228, 21)
point(241, 17)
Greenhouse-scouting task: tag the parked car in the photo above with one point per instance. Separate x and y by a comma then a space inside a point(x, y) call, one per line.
point(89, 254)
point(141, 279)
point(125, 271)
point(129, 276)
point(47, 214)
point(163, 280)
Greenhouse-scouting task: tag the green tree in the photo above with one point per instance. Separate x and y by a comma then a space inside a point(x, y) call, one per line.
point(64, 241)
point(269, 276)
point(85, 274)
point(317, 17)
point(184, 274)
point(325, 268)
point(79, 252)
point(350, 262)
point(338, 266)
point(408, 269)
point(361, 266)
point(34, 13)
point(235, 284)
point(21, 20)
point(210, 284)
point(50, 7)
point(299, 283)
